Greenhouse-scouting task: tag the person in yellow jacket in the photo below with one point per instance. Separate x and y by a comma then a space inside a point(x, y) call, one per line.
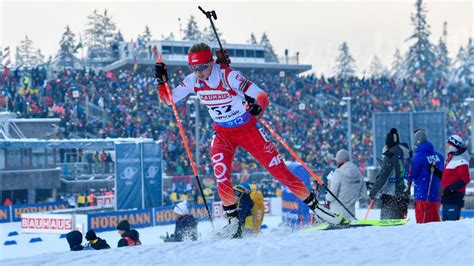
point(251, 208)
point(81, 200)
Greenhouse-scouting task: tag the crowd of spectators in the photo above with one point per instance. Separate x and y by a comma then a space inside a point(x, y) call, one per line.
point(306, 111)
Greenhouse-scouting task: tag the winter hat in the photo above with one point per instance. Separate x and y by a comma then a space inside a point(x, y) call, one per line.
point(90, 235)
point(456, 141)
point(420, 137)
point(342, 156)
point(392, 138)
point(181, 208)
point(123, 225)
point(74, 238)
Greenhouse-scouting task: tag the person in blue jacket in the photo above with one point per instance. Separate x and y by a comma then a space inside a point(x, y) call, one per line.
point(426, 175)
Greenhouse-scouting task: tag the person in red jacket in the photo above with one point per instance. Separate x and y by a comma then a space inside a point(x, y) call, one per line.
point(455, 178)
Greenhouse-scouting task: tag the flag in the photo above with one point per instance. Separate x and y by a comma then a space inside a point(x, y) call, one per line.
point(79, 45)
point(135, 65)
point(6, 57)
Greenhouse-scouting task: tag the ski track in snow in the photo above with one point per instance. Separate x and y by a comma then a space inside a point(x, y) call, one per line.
point(444, 243)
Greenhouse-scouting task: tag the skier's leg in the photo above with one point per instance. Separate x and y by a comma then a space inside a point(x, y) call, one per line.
point(222, 154)
point(256, 143)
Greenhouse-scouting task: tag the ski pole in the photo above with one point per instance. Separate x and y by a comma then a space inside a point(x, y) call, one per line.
point(210, 15)
point(368, 210)
point(313, 174)
point(186, 146)
point(428, 195)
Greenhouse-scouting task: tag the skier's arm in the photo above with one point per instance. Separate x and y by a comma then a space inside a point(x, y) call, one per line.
point(184, 88)
point(239, 83)
point(334, 187)
point(387, 168)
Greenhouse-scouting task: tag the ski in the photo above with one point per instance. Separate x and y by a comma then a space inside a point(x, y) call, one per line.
point(359, 223)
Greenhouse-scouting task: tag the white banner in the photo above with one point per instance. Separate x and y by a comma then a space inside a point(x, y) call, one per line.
point(105, 201)
point(46, 223)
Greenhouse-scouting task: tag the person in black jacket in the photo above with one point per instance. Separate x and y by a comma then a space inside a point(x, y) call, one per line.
point(186, 225)
point(130, 237)
point(74, 238)
point(95, 242)
point(390, 184)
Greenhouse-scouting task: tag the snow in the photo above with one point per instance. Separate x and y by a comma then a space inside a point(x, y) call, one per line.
point(444, 243)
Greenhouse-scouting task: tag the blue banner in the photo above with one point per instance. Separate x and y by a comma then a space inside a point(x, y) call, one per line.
point(17, 210)
point(5, 214)
point(294, 212)
point(152, 174)
point(107, 221)
point(128, 176)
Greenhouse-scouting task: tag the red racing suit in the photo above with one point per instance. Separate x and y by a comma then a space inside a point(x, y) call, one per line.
point(223, 94)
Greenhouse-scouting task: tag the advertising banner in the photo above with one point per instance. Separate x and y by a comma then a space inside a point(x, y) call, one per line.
point(128, 176)
point(46, 223)
point(152, 174)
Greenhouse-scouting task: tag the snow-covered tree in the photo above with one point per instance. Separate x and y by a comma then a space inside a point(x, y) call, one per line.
point(253, 39)
point(26, 54)
point(145, 38)
point(464, 71)
point(270, 55)
point(208, 35)
point(100, 34)
point(65, 57)
point(398, 70)
point(421, 55)
point(192, 32)
point(377, 69)
point(345, 63)
point(442, 62)
point(170, 37)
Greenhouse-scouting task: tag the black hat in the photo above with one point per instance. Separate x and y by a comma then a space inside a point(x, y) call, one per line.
point(123, 225)
point(392, 138)
point(90, 235)
point(74, 238)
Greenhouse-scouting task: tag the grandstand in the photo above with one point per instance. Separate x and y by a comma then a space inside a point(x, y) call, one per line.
point(245, 57)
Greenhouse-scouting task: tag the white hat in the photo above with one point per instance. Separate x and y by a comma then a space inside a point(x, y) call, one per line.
point(181, 208)
point(456, 141)
point(342, 156)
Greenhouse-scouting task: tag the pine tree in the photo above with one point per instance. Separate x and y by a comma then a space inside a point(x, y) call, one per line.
point(442, 62)
point(270, 55)
point(465, 64)
point(253, 39)
point(421, 55)
point(192, 32)
point(398, 66)
point(145, 38)
point(209, 36)
point(376, 68)
point(65, 57)
point(26, 54)
point(100, 36)
point(345, 63)
point(170, 37)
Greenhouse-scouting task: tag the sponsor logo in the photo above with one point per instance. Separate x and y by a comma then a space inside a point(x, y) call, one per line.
point(269, 148)
point(275, 161)
point(46, 223)
point(128, 172)
point(220, 168)
point(152, 171)
point(214, 97)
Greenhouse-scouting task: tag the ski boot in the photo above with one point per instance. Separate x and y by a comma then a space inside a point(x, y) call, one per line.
point(233, 229)
point(324, 213)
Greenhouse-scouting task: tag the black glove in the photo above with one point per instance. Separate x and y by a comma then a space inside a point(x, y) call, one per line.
point(223, 57)
point(254, 109)
point(438, 173)
point(372, 194)
point(161, 73)
point(369, 185)
point(451, 189)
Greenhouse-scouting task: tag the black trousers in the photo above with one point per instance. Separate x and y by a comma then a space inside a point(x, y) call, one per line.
point(393, 207)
